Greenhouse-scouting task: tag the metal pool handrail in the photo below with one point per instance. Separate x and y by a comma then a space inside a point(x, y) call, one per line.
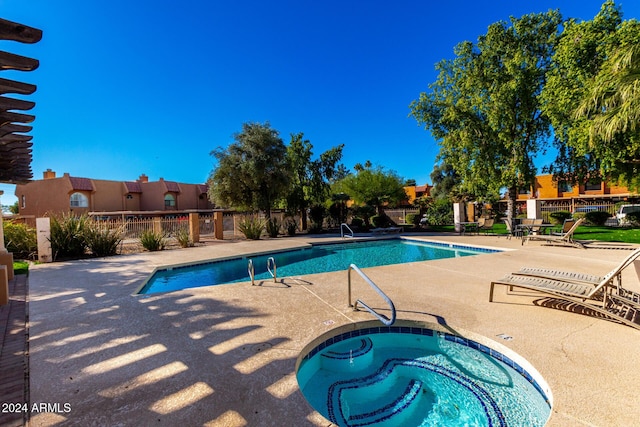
point(251, 271)
point(342, 234)
point(384, 319)
point(272, 262)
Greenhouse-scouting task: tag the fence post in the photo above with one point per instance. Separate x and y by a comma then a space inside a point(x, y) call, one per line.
point(534, 209)
point(157, 225)
point(218, 226)
point(43, 235)
point(194, 227)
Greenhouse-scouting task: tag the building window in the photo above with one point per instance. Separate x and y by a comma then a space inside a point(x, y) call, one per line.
point(593, 185)
point(524, 190)
point(24, 201)
point(169, 201)
point(565, 187)
point(129, 197)
point(79, 200)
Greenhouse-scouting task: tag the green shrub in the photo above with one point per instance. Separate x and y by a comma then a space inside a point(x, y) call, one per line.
point(183, 237)
point(317, 214)
point(632, 219)
point(440, 212)
point(20, 267)
point(578, 215)
point(101, 240)
point(251, 227)
point(291, 226)
point(413, 219)
point(597, 217)
point(20, 239)
point(68, 235)
point(314, 228)
point(558, 217)
point(273, 227)
point(379, 220)
point(357, 222)
point(152, 240)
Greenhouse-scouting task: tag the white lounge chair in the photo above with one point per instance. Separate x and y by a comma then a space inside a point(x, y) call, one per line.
point(616, 273)
point(603, 297)
point(565, 239)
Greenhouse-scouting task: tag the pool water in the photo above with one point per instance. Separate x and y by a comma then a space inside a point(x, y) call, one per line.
point(384, 377)
point(317, 259)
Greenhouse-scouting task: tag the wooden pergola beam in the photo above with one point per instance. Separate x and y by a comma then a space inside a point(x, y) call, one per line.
point(11, 86)
point(18, 32)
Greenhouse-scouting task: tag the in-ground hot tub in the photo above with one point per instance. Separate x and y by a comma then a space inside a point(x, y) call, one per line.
point(419, 374)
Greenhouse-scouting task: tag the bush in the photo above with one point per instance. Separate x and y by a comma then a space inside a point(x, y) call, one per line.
point(316, 215)
point(379, 220)
point(101, 240)
point(633, 219)
point(413, 219)
point(183, 237)
point(558, 217)
point(440, 212)
point(152, 240)
point(597, 217)
point(20, 239)
point(291, 226)
point(314, 228)
point(578, 215)
point(68, 234)
point(251, 227)
point(357, 222)
point(273, 227)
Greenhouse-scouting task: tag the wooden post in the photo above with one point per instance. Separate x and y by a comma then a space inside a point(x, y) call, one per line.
point(4, 286)
point(194, 227)
point(157, 225)
point(218, 226)
point(43, 235)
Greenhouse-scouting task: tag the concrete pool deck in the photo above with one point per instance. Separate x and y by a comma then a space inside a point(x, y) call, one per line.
point(225, 355)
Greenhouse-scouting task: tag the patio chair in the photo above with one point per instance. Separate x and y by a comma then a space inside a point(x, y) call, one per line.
point(572, 276)
point(565, 239)
point(510, 229)
point(486, 225)
point(566, 226)
point(600, 298)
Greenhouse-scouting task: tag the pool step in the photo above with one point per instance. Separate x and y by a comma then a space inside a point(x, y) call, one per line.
point(349, 356)
point(393, 401)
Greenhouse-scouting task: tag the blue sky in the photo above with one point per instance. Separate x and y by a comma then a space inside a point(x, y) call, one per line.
point(131, 87)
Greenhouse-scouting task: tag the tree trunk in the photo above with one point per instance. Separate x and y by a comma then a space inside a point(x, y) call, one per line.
point(512, 194)
point(303, 218)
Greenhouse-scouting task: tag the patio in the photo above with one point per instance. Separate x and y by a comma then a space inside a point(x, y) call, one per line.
point(225, 355)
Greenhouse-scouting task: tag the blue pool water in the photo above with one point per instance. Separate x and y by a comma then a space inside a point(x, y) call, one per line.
point(409, 376)
point(317, 259)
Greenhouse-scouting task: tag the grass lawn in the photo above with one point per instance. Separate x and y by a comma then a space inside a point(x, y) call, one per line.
point(584, 232)
point(20, 267)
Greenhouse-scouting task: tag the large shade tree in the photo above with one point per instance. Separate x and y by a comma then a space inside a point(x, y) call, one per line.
point(373, 186)
point(609, 108)
point(252, 172)
point(584, 84)
point(311, 178)
point(484, 108)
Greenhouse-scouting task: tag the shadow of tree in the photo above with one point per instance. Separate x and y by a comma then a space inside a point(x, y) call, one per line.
point(180, 358)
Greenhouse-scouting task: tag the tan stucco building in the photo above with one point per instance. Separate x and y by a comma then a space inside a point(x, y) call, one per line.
point(69, 194)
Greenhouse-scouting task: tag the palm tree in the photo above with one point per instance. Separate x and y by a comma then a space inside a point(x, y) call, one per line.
point(614, 101)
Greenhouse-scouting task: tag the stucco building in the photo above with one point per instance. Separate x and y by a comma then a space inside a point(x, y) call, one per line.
point(545, 188)
point(69, 194)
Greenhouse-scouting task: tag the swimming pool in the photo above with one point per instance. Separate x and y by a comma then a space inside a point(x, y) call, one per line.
point(419, 375)
point(315, 259)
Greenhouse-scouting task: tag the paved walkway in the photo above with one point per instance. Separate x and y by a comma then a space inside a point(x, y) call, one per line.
point(14, 351)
